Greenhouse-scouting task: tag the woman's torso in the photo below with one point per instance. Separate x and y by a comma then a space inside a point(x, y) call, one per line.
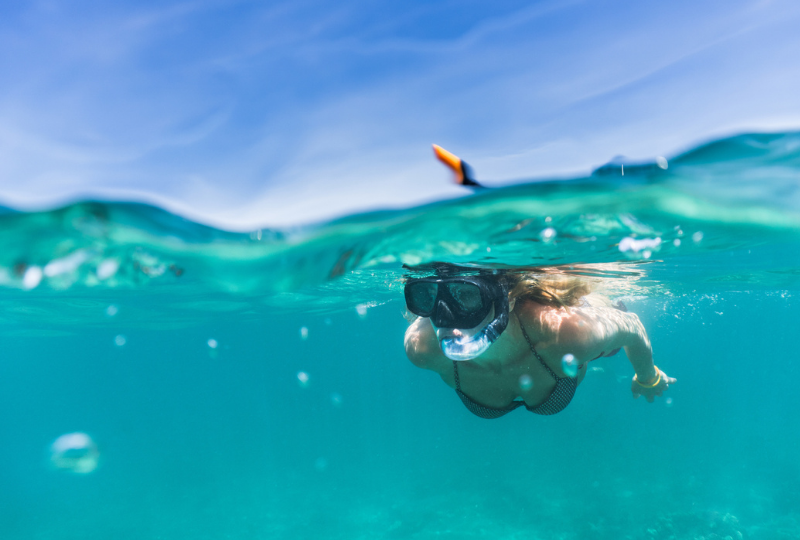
point(520, 375)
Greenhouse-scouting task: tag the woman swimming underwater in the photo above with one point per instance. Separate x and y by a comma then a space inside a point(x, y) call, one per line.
point(504, 340)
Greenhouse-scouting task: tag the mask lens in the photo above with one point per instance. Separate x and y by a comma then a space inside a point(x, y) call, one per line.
point(421, 297)
point(467, 296)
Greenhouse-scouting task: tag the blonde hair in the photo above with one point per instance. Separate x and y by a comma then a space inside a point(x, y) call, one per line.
point(557, 290)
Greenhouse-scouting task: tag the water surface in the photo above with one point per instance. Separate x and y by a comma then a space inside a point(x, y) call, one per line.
point(303, 418)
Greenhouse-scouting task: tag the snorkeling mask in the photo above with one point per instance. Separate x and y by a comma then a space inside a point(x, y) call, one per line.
point(461, 302)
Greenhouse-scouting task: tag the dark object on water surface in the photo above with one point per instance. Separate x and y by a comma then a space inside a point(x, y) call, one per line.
point(464, 174)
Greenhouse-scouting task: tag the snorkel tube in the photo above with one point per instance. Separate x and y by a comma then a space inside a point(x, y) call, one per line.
point(463, 172)
point(469, 347)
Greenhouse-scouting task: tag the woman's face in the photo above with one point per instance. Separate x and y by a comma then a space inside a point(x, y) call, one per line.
point(447, 333)
point(470, 343)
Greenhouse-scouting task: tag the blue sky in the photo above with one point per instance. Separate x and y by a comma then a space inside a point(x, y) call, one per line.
point(247, 114)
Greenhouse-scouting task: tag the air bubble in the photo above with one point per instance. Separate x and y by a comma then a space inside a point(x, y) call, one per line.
point(698, 236)
point(662, 163)
point(548, 234)
point(361, 310)
point(212, 343)
point(32, 277)
point(67, 264)
point(112, 310)
point(668, 402)
point(525, 382)
point(107, 269)
point(303, 333)
point(569, 365)
point(120, 340)
point(676, 242)
point(303, 378)
point(75, 452)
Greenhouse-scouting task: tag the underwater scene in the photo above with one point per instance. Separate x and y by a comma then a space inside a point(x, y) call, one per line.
point(162, 379)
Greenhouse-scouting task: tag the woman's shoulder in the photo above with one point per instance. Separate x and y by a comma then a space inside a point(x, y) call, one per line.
point(538, 318)
point(546, 323)
point(422, 347)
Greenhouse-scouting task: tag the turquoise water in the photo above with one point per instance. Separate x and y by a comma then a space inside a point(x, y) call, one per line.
point(108, 310)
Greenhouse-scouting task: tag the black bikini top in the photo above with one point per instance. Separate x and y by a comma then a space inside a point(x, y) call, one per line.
point(558, 399)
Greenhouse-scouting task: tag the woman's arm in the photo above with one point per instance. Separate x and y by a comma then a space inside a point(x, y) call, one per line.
point(590, 332)
point(634, 340)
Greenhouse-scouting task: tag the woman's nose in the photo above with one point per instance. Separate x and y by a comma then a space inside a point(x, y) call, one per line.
point(442, 316)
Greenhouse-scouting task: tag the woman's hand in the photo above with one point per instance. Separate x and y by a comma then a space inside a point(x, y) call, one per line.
point(654, 388)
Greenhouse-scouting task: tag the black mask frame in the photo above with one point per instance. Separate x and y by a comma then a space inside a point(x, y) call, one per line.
point(442, 299)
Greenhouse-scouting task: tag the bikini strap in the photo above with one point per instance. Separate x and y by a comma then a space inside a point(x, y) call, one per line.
point(455, 370)
point(533, 350)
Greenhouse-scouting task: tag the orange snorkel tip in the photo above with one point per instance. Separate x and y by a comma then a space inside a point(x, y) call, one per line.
point(462, 171)
point(451, 160)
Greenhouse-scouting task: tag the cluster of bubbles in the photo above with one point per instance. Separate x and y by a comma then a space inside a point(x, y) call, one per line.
point(638, 247)
point(644, 245)
point(569, 364)
point(304, 379)
point(111, 311)
point(361, 309)
point(78, 453)
point(89, 266)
